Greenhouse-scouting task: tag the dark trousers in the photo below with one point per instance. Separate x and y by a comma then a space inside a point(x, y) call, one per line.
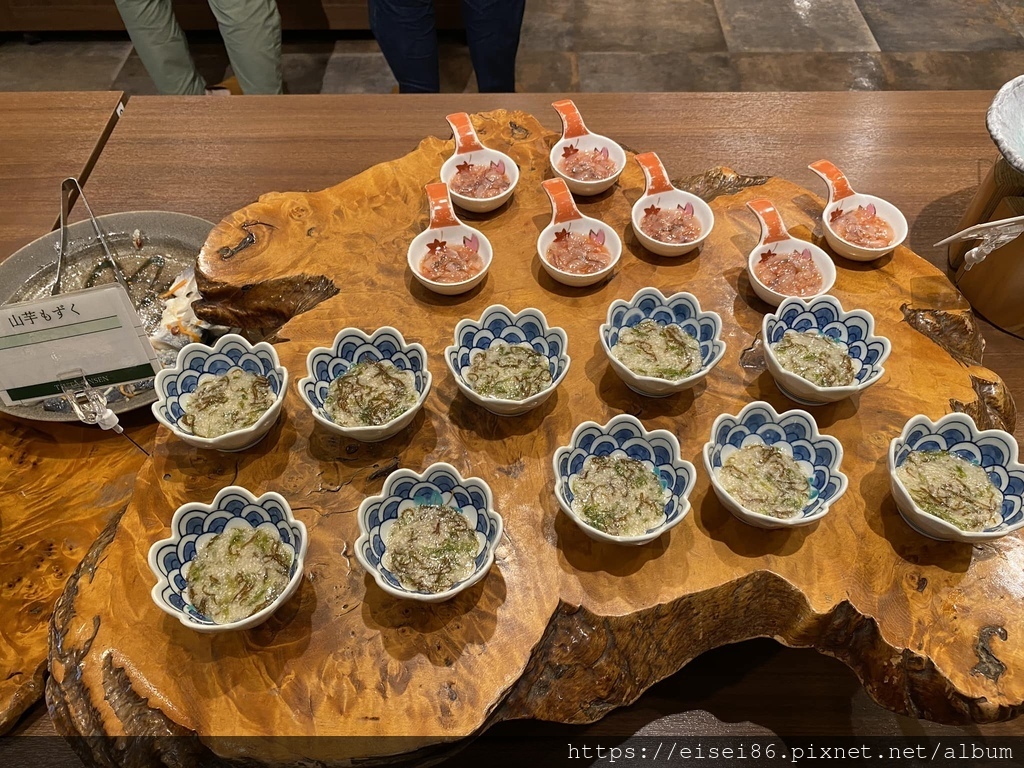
point(406, 34)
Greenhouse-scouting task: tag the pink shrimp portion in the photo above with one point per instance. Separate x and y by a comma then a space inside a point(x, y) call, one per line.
point(588, 165)
point(792, 274)
point(479, 181)
point(862, 226)
point(578, 254)
point(671, 225)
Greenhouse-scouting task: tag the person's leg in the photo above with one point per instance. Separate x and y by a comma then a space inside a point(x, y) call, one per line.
point(252, 34)
point(161, 45)
point(492, 30)
point(405, 32)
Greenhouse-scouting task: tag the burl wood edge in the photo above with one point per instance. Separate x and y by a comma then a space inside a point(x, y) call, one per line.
point(932, 631)
point(59, 486)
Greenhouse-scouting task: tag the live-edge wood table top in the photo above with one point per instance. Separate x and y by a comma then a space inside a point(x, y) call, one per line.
point(925, 152)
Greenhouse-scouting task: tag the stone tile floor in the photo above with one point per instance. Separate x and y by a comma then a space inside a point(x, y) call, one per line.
point(595, 45)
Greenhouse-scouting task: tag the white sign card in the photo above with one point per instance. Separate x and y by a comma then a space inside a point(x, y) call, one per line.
point(97, 330)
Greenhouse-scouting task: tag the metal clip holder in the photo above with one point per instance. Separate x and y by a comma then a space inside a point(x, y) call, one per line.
point(89, 404)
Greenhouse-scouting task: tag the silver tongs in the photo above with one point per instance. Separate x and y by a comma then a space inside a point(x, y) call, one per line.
point(68, 186)
point(993, 235)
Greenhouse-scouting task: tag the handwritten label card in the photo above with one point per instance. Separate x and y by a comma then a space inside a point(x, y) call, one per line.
point(97, 330)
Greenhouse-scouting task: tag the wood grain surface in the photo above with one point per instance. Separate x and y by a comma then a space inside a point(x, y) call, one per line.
point(562, 629)
point(44, 138)
point(59, 483)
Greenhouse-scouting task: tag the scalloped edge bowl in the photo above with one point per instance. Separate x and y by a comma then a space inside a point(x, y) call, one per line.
point(239, 439)
point(420, 478)
point(369, 434)
point(799, 389)
point(819, 507)
point(499, 406)
point(927, 524)
point(680, 464)
point(156, 593)
point(651, 386)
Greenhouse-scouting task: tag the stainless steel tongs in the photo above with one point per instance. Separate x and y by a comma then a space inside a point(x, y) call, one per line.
point(67, 186)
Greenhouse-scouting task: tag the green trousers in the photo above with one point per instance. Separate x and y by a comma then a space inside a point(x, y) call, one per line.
point(252, 34)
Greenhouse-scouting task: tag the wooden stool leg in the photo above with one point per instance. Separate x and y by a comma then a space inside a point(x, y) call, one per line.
point(1003, 180)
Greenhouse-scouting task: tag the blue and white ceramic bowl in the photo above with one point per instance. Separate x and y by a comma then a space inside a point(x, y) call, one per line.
point(795, 433)
point(197, 363)
point(625, 436)
point(680, 309)
point(439, 484)
point(992, 449)
point(854, 329)
point(529, 328)
point(351, 346)
point(194, 524)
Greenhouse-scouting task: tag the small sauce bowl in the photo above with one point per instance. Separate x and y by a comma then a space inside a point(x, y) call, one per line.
point(775, 237)
point(566, 217)
point(575, 136)
point(468, 149)
point(445, 227)
point(842, 197)
point(660, 193)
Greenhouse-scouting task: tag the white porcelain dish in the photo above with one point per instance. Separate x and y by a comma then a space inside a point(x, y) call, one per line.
point(566, 218)
point(576, 137)
point(445, 227)
point(469, 149)
point(775, 238)
point(659, 193)
point(841, 197)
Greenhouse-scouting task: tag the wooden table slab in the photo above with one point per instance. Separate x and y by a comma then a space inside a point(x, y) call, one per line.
point(924, 151)
point(44, 138)
point(862, 586)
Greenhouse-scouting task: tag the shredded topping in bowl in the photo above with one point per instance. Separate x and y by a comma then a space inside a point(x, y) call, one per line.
point(221, 404)
point(370, 394)
point(951, 488)
point(619, 496)
point(662, 351)
point(508, 372)
point(765, 480)
point(791, 274)
point(431, 548)
point(813, 356)
point(237, 573)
